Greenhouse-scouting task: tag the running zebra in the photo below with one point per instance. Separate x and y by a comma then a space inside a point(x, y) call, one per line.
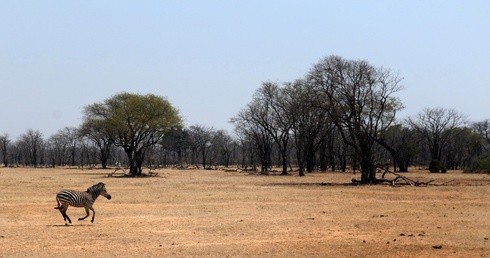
point(66, 198)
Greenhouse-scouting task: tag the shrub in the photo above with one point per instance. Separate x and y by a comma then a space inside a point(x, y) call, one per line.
point(480, 165)
point(435, 166)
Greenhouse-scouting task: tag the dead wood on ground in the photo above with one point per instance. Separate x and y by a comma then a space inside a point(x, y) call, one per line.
point(398, 180)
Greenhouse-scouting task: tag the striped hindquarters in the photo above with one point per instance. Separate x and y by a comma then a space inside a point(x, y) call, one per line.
point(74, 198)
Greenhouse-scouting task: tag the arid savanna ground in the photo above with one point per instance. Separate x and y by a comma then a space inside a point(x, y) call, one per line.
point(183, 213)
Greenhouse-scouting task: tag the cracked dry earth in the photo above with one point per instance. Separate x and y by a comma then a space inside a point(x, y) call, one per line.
point(182, 213)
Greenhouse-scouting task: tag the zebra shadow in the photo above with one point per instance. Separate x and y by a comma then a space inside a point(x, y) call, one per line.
point(69, 226)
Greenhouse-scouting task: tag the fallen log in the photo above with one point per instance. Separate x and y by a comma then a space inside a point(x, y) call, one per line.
point(398, 180)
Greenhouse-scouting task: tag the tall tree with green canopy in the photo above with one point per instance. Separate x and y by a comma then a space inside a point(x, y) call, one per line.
point(134, 122)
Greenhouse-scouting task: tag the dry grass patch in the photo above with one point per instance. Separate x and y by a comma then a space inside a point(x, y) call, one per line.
point(217, 213)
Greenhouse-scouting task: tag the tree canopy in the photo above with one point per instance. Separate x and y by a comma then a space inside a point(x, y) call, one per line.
point(134, 122)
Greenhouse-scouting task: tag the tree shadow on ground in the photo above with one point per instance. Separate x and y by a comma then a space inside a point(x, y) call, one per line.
point(309, 184)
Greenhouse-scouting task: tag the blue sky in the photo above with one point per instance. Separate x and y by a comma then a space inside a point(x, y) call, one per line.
point(208, 57)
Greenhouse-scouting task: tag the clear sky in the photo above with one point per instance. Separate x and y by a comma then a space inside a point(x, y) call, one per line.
point(208, 57)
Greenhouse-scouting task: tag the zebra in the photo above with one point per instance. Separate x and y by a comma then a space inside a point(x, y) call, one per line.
point(66, 198)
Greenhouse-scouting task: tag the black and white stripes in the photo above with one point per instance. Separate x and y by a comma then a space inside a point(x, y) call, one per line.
point(66, 198)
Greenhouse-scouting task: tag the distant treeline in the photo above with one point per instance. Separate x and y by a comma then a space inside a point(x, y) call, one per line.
point(340, 116)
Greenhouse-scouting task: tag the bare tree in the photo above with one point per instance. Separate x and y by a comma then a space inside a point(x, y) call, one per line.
point(4, 144)
point(268, 111)
point(359, 99)
point(95, 131)
point(333, 151)
point(176, 141)
point(464, 148)
point(401, 142)
point(436, 126)
point(201, 140)
point(483, 128)
point(252, 131)
point(72, 139)
point(223, 146)
point(31, 145)
point(246, 147)
point(308, 123)
point(57, 147)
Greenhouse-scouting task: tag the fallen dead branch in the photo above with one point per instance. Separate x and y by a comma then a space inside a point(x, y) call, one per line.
point(401, 179)
point(123, 173)
point(398, 180)
point(113, 174)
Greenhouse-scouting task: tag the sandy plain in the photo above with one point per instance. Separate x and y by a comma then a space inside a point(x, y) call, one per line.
point(196, 213)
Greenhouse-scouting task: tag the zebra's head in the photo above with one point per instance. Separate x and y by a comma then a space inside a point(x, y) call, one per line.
point(99, 189)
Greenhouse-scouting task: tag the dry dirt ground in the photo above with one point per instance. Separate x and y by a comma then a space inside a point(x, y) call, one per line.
point(182, 213)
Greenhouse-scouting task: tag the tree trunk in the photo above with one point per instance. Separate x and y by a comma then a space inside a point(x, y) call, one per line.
point(310, 159)
point(299, 155)
point(203, 158)
point(264, 154)
point(132, 167)
point(435, 163)
point(284, 162)
point(104, 155)
point(134, 162)
point(135, 168)
point(323, 156)
point(368, 171)
point(435, 166)
point(343, 163)
point(103, 162)
point(403, 166)
point(73, 158)
point(139, 164)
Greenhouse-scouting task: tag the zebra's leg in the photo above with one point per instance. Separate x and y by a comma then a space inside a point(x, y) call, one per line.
point(93, 215)
point(59, 207)
point(87, 214)
point(65, 215)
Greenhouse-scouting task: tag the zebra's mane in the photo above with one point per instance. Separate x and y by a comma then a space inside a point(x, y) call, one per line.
point(95, 188)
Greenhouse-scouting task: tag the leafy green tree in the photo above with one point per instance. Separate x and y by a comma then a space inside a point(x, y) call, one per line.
point(134, 122)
